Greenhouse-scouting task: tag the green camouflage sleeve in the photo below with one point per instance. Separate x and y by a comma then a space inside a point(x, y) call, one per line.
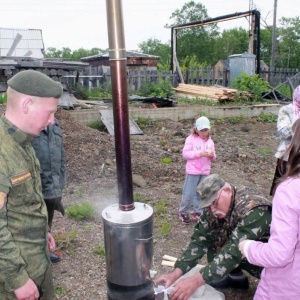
point(253, 226)
point(200, 242)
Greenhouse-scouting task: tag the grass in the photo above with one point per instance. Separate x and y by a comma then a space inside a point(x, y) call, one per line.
point(267, 117)
point(60, 291)
point(139, 198)
point(83, 211)
point(166, 160)
point(100, 250)
point(64, 240)
point(265, 152)
point(143, 122)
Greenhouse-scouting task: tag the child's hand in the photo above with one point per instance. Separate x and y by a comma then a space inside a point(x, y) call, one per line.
point(205, 154)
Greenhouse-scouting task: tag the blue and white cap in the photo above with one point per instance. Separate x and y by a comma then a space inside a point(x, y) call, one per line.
point(202, 123)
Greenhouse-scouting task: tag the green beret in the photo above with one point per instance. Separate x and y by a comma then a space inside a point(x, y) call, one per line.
point(34, 83)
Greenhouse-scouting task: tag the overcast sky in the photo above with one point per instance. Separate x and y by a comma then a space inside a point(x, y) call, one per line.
point(77, 23)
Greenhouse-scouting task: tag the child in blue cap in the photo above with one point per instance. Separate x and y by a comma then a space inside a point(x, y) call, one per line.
point(199, 152)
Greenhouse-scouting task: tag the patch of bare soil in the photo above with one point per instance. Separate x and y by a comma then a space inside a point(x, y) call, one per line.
point(245, 157)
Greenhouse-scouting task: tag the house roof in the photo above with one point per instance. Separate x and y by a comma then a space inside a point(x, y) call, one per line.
point(129, 54)
point(21, 42)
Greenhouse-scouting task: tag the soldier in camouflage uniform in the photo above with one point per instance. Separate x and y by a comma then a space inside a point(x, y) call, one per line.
point(25, 268)
point(230, 215)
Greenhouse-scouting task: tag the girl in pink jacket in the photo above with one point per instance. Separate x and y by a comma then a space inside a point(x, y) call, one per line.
point(280, 257)
point(199, 152)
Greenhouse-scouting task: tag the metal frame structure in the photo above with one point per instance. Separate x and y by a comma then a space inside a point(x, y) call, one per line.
point(254, 47)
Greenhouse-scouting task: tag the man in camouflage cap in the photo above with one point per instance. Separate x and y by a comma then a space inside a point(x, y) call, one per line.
point(25, 268)
point(229, 215)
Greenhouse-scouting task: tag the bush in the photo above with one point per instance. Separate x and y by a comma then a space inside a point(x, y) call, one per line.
point(80, 212)
point(251, 83)
point(162, 88)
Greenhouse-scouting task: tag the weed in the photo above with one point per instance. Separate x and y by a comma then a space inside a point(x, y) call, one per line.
point(285, 90)
point(83, 211)
point(265, 152)
point(139, 198)
point(166, 160)
point(162, 88)
point(143, 122)
point(64, 240)
point(251, 83)
point(165, 227)
point(60, 291)
point(160, 208)
point(3, 98)
point(236, 120)
point(163, 143)
point(100, 250)
point(267, 117)
point(98, 125)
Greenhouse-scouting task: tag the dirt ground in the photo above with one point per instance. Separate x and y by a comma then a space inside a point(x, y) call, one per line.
point(245, 156)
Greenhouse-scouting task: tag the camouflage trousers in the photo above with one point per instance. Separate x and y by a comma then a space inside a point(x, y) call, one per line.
point(44, 284)
point(244, 265)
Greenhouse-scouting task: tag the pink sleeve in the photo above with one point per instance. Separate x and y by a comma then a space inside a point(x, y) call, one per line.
point(279, 251)
point(188, 151)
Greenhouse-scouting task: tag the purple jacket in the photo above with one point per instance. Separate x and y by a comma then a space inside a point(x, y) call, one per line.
point(281, 255)
point(196, 165)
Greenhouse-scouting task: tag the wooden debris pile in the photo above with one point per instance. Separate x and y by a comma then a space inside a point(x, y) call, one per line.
point(215, 93)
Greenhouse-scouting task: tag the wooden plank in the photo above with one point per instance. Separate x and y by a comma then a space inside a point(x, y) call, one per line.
point(108, 119)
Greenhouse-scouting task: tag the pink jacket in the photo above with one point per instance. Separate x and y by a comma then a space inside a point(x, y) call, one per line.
point(196, 165)
point(281, 255)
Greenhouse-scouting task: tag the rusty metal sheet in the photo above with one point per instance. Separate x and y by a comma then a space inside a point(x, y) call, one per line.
point(108, 120)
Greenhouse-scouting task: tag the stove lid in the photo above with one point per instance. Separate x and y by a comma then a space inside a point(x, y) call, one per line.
point(140, 213)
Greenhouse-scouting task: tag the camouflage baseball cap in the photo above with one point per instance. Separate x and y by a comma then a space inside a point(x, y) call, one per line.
point(34, 83)
point(208, 189)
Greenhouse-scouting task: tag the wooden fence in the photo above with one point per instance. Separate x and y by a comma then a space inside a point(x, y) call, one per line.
point(206, 76)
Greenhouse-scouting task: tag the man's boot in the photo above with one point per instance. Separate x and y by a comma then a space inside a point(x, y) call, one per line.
point(232, 280)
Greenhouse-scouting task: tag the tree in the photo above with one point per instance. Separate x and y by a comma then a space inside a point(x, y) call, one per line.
point(68, 54)
point(156, 47)
point(232, 41)
point(288, 49)
point(196, 41)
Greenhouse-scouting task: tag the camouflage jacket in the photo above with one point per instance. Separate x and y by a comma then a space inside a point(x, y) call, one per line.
point(23, 218)
point(49, 149)
point(249, 217)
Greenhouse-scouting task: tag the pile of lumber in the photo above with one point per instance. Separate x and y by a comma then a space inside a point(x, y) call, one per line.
point(214, 93)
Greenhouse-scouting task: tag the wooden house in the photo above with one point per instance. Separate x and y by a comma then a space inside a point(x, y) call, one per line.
point(136, 61)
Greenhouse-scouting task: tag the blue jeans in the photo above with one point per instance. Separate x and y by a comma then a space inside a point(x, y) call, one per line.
point(190, 196)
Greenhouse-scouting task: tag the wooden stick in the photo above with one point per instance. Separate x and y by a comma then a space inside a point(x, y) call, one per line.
point(168, 263)
point(170, 258)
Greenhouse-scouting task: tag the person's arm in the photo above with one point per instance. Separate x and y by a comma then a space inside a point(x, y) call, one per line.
point(280, 249)
point(201, 241)
point(12, 265)
point(188, 151)
point(252, 226)
point(284, 123)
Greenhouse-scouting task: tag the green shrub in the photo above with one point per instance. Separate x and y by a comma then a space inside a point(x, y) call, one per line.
point(285, 90)
point(163, 88)
point(251, 83)
point(166, 160)
point(80, 212)
point(267, 117)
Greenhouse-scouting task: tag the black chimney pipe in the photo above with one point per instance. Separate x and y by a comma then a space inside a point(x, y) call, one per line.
point(118, 62)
